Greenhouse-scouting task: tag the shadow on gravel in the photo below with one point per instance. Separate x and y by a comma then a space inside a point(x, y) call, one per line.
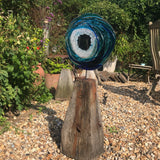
point(156, 96)
point(131, 91)
point(55, 126)
point(54, 123)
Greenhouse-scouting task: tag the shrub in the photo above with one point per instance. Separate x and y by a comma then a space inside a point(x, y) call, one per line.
point(127, 49)
point(71, 8)
point(117, 17)
point(122, 49)
point(20, 50)
point(140, 51)
point(48, 10)
point(135, 51)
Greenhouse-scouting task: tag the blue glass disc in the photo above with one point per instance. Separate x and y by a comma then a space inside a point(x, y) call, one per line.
point(89, 41)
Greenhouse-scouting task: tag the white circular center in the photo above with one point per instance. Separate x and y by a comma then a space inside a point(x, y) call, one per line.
point(74, 42)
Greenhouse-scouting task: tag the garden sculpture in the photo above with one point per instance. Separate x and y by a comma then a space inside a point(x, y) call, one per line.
point(89, 42)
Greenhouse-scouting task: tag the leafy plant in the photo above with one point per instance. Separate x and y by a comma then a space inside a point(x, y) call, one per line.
point(112, 129)
point(131, 27)
point(71, 8)
point(56, 65)
point(17, 6)
point(21, 49)
point(140, 12)
point(117, 17)
point(131, 51)
point(4, 124)
point(41, 93)
point(47, 10)
point(41, 109)
point(122, 47)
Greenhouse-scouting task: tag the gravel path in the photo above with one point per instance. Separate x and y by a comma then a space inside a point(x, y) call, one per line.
point(131, 124)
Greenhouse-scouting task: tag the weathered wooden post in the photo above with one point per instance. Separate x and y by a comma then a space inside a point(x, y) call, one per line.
point(88, 44)
point(82, 131)
point(65, 85)
point(89, 74)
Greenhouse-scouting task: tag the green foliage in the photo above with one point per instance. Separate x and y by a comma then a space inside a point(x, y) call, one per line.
point(57, 35)
point(140, 12)
point(4, 124)
point(140, 51)
point(20, 50)
point(112, 129)
point(117, 17)
point(41, 109)
point(17, 6)
point(130, 20)
point(122, 47)
point(42, 94)
point(56, 65)
point(135, 51)
point(8, 94)
point(72, 8)
point(48, 10)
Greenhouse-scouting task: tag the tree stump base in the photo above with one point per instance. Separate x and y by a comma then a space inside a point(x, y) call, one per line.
point(82, 131)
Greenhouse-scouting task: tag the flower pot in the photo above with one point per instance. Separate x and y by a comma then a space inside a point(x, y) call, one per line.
point(51, 80)
point(41, 73)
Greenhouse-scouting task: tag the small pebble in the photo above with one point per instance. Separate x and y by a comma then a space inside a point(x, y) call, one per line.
point(131, 127)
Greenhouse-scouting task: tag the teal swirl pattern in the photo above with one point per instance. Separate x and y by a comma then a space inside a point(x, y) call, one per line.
point(89, 41)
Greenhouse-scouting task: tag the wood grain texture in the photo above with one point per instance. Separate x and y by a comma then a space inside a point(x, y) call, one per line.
point(82, 133)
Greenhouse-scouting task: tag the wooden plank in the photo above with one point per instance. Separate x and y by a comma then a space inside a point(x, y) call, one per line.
point(136, 66)
point(104, 75)
point(122, 78)
point(124, 74)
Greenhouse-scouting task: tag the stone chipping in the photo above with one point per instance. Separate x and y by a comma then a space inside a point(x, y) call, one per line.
point(131, 125)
